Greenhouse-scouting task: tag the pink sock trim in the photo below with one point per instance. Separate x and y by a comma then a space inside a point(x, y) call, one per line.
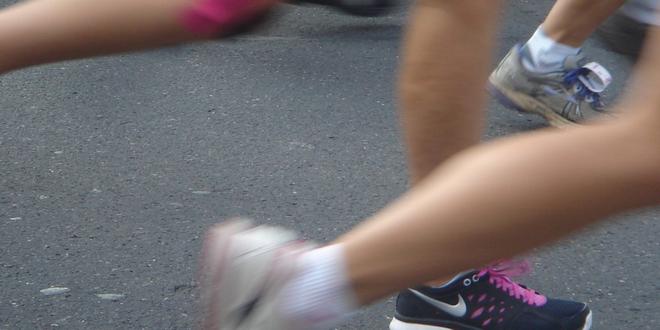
point(208, 17)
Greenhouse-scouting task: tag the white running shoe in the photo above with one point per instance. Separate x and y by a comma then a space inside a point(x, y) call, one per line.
point(242, 271)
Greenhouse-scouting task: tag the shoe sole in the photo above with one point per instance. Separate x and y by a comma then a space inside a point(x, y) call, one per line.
point(525, 104)
point(588, 321)
point(400, 325)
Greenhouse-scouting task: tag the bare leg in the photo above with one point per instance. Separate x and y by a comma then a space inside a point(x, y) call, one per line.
point(439, 228)
point(462, 32)
point(42, 31)
point(571, 22)
point(445, 39)
point(443, 114)
point(484, 204)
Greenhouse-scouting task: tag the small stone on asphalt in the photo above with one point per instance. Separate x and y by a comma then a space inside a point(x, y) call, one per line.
point(110, 296)
point(54, 290)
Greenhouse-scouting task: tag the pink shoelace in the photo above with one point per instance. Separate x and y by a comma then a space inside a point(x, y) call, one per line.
point(499, 275)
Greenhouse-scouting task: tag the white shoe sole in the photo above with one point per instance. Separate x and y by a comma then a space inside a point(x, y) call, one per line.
point(588, 321)
point(527, 104)
point(399, 325)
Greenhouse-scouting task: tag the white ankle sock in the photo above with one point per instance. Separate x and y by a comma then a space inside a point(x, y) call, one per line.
point(547, 54)
point(320, 296)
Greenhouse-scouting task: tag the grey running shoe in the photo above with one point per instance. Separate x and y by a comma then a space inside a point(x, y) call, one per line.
point(563, 98)
point(242, 271)
point(623, 34)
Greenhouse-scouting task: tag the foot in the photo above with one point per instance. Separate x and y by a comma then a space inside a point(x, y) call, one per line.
point(242, 271)
point(623, 34)
point(365, 8)
point(486, 300)
point(566, 97)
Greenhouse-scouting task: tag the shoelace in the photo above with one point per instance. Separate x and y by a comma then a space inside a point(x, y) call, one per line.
point(572, 79)
point(500, 274)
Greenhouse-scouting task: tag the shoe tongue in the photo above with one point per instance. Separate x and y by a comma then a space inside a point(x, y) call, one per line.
point(574, 61)
point(596, 77)
point(456, 280)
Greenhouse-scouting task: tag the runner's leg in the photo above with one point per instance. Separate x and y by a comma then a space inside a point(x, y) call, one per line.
point(43, 31)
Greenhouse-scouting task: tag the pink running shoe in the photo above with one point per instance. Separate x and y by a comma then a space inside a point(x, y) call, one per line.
point(487, 300)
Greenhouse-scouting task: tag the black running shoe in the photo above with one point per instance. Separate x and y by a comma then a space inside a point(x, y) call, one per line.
point(486, 300)
point(365, 8)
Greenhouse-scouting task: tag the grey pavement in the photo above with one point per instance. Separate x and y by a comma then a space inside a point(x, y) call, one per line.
point(112, 168)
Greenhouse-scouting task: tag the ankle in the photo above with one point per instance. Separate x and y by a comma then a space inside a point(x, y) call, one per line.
point(547, 54)
point(319, 296)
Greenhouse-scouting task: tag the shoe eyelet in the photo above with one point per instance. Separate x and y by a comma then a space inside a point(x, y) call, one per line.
point(467, 282)
point(475, 278)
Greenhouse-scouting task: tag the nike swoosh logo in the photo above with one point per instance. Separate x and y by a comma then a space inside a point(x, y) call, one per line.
point(458, 310)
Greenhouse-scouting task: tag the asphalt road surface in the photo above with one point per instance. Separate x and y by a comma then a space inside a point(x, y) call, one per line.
point(112, 168)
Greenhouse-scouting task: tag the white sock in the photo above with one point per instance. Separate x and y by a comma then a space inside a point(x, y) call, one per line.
point(643, 11)
point(320, 296)
point(547, 54)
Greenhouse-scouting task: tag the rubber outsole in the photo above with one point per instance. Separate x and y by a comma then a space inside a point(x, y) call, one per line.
point(588, 321)
point(525, 104)
point(400, 325)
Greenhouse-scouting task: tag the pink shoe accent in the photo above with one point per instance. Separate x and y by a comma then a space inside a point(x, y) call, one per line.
point(477, 313)
point(499, 275)
point(209, 17)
